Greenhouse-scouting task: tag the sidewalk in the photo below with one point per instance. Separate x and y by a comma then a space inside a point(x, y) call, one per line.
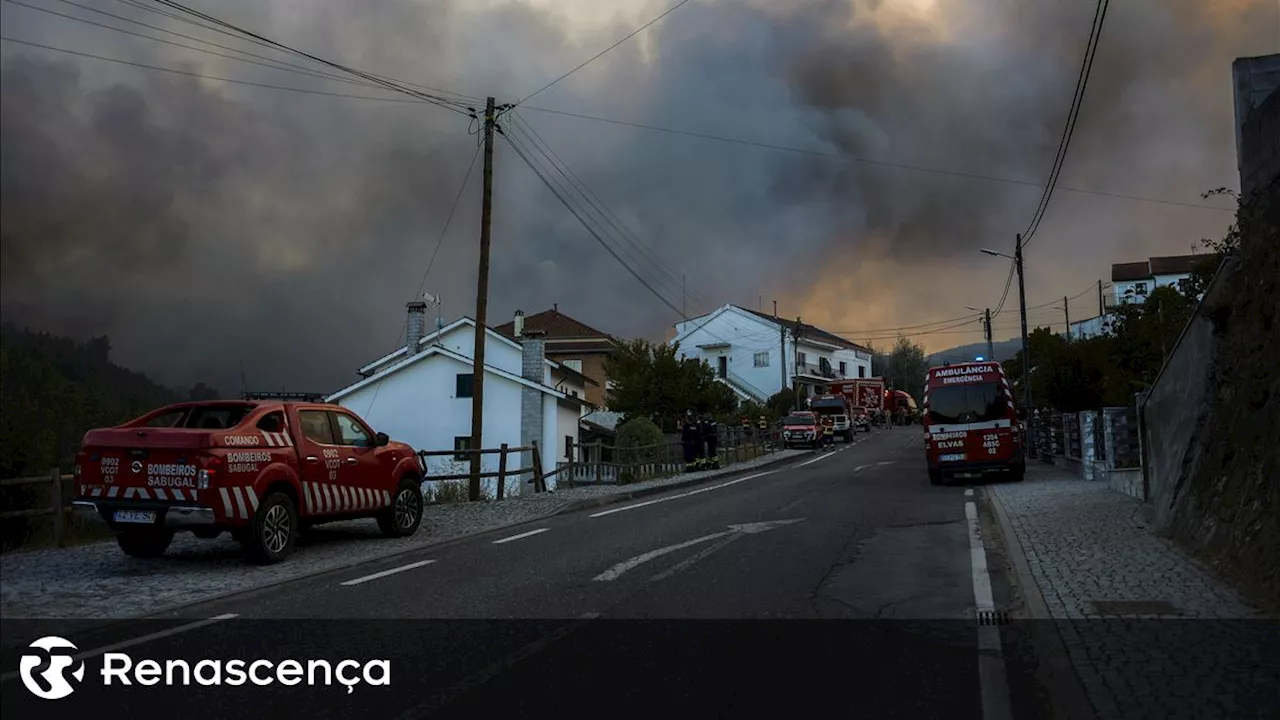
point(1148, 632)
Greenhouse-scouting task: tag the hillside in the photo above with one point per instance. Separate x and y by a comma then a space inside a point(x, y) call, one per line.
point(1004, 350)
point(52, 391)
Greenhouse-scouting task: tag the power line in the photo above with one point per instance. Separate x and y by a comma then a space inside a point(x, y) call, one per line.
point(541, 175)
point(1068, 130)
point(593, 58)
point(444, 102)
point(448, 219)
point(857, 159)
point(298, 69)
point(522, 125)
point(204, 77)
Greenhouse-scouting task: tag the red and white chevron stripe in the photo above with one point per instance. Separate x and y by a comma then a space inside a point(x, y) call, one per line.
point(328, 498)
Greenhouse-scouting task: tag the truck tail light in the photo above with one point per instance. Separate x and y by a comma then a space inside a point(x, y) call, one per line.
point(207, 475)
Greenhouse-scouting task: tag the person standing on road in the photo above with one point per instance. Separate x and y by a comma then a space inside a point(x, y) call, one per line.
point(828, 432)
point(710, 435)
point(689, 437)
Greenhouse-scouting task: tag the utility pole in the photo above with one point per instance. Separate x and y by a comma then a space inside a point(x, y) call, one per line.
point(795, 384)
point(482, 307)
point(782, 356)
point(1066, 316)
point(1026, 354)
point(986, 321)
point(684, 296)
point(1102, 307)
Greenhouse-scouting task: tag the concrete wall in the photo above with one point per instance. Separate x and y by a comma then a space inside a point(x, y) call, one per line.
point(1175, 409)
point(741, 335)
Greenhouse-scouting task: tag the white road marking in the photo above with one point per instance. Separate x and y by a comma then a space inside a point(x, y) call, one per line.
point(992, 679)
point(138, 640)
point(687, 562)
point(860, 468)
point(681, 495)
point(385, 573)
point(531, 533)
point(616, 571)
point(820, 457)
point(968, 492)
point(887, 462)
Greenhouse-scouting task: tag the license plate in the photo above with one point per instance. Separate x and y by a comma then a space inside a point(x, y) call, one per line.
point(951, 458)
point(968, 476)
point(142, 517)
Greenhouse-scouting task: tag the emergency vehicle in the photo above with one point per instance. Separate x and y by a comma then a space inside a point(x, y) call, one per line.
point(801, 428)
point(263, 469)
point(835, 408)
point(971, 423)
point(862, 392)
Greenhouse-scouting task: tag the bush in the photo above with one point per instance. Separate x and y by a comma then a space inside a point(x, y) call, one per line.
point(639, 440)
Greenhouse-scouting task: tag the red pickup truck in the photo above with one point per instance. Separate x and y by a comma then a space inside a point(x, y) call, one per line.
point(262, 469)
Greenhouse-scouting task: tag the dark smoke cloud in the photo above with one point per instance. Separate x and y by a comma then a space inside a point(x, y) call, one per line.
point(202, 224)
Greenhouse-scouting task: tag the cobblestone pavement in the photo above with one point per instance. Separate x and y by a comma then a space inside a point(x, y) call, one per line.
point(97, 581)
point(1208, 655)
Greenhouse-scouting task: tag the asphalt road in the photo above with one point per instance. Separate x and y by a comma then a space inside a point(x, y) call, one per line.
point(842, 582)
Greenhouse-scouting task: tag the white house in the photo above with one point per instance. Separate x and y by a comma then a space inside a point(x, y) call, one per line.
point(758, 355)
point(1132, 282)
point(421, 394)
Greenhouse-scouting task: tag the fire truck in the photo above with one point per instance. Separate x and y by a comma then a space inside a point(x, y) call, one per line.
point(862, 392)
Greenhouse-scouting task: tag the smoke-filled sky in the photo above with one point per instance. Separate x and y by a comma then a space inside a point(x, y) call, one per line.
point(201, 224)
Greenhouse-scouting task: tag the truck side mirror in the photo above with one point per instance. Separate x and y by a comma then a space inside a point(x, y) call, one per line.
point(381, 439)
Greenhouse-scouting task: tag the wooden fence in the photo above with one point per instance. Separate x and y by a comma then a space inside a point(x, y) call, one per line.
point(648, 462)
point(502, 473)
point(56, 507)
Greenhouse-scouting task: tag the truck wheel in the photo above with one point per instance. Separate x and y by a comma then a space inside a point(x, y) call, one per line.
point(405, 514)
point(144, 542)
point(273, 531)
point(935, 477)
point(1018, 474)
point(206, 533)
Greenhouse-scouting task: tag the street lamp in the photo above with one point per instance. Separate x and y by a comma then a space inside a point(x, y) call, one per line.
point(1022, 307)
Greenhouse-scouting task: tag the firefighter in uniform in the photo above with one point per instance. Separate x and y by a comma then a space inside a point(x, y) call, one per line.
point(689, 437)
point(828, 431)
point(711, 437)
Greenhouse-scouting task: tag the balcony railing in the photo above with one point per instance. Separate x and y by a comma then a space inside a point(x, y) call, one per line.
point(815, 370)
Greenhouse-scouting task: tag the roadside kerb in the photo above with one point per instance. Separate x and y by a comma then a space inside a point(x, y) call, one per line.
point(1056, 669)
point(589, 503)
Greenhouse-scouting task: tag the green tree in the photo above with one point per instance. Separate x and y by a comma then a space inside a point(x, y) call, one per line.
point(781, 403)
point(652, 381)
point(904, 367)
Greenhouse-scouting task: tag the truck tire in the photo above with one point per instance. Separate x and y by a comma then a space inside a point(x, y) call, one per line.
point(1018, 473)
point(273, 532)
point(405, 514)
point(144, 542)
point(935, 477)
point(206, 533)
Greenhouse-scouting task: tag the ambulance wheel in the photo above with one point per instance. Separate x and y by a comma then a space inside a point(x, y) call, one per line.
point(405, 514)
point(273, 532)
point(935, 477)
point(144, 542)
point(1018, 474)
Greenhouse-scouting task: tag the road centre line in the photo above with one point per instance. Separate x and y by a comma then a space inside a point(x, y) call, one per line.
point(138, 640)
point(681, 495)
point(968, 492)
point(385, 573)
point(521, 536)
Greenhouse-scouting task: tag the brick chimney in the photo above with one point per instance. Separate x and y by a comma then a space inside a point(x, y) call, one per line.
point(534, 368)
point(416, 328)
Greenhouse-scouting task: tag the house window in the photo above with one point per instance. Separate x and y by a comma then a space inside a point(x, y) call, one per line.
point(462, 388)
point(573, 393)
point(574, 365)
point(862, 371)
point(844, 368)
point(761, 359)
point(824, 365)
point(1140, 288)
point(462, 442)
point(801, 359)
